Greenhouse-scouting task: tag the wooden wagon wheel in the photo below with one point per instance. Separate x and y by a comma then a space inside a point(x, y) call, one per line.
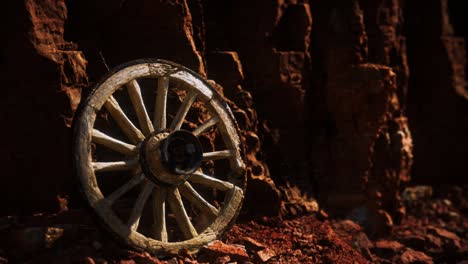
point(160, 160)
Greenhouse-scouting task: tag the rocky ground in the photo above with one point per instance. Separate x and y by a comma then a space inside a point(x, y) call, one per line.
point(435, 230)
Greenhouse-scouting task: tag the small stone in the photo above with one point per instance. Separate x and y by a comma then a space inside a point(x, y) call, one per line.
point(450, 239)
point(453, 215)
point(411, 256)
point(388, 244)
point(130, 261)
point(443, 233)
point(387, 248)
point(347, 226)
point(217, 249)
point(52, 234)
point(322, 215)
point(252, 244)
point(266, 254)
point(447, 202)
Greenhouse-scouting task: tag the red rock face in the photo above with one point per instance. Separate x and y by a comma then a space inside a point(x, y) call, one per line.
point(361, 147)
point(43, 76)
point(437, 81)
point(320, 91)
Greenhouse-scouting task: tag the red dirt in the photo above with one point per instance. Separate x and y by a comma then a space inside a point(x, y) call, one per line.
point(301, 240)
point(435, 230)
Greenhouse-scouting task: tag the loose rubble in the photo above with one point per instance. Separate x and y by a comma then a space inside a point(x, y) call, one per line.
point(435, 230)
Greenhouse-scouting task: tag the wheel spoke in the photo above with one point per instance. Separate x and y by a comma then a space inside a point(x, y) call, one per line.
point(112, 143)
point(137, 210)
point(183, 110)
point(134, 92)
point(203, 179)
point(198, 201)
point(159, 214)
point(216, 155)
point(129, 129)
point(178, 209)
point(135, 180)
point(159, 119)
point(115, 165)
point(204, 127)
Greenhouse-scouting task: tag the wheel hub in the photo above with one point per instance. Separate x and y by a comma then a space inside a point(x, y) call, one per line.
point(169, 158)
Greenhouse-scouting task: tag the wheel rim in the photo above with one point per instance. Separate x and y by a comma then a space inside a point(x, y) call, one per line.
point(148, 156)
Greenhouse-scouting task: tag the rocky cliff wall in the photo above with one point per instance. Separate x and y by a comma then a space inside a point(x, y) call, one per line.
point(334, 98)
point(42, 77)
point(437, 108)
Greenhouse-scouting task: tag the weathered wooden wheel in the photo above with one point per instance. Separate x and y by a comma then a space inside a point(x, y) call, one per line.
point(129, 174)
